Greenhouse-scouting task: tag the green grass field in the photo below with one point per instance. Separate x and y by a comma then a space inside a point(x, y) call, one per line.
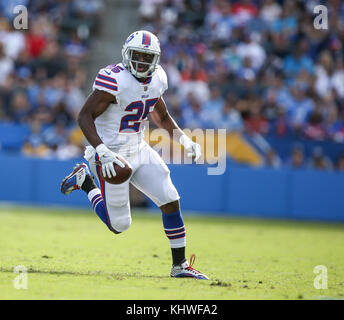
point(70, 254)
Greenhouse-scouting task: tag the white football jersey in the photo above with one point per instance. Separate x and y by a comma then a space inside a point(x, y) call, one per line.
point(122, 124)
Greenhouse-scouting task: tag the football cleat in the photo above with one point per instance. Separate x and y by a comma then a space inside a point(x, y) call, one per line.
point(75, 180)
point(185, 270)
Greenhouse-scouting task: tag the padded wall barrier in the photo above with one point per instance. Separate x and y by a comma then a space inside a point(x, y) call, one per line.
point(245, 191)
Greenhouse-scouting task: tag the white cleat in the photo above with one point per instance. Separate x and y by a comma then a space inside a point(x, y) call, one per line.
point(185, 270)
point(75, 180)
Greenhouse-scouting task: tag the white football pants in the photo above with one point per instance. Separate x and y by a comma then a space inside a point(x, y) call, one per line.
point(150, 175)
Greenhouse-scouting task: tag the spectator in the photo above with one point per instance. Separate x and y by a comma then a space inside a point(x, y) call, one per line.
point(270, 51)
point(340, 163)
point(12, 40)
point(336, 125)
point(220, 21)
point(6, 65)
point(89, 8)
point(315, 128)
point(56, 135)
point(296, 62)
point(74, 98)
point(319, 161)
point(75, 47)
point(51, 60)
point(68, 150)
point(252, 50)
point(255, 122)
point(337, 78)
point(19, 107)
point(243, 11)
point(253, 65)
point(193, 81)
point(36, 40)
point(53, 90)
point(272, 160)
point(213, 108)
point(231, 118)
point(191, 116)
point(43, 69)
point(270, 11)
point(35, 145)
point(323, 73)
point(286, 23)
point(62, 115)
point(300, 106)
point(297, 158)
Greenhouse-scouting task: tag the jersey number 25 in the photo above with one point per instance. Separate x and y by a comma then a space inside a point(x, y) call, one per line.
point(133, 121)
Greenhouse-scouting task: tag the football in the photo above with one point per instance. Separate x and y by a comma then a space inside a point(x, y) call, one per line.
point(122, 174)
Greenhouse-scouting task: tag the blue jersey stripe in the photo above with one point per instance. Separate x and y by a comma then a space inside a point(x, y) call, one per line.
point(100, 76)
point(105, 85)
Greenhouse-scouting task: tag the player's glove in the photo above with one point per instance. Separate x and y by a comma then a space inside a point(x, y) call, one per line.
point(90, 152)
point(107, 158)
point(193, 149)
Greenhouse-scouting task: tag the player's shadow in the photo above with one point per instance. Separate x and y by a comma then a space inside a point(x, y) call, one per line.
point(110, 275)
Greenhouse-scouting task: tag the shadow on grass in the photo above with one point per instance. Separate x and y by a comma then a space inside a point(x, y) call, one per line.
point(113, 275)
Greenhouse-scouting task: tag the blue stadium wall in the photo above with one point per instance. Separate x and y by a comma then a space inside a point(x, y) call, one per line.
point(241, 191)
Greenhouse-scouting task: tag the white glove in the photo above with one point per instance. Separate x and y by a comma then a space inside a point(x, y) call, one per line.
point(193, 149)
point(90, 152)
point(107, 158)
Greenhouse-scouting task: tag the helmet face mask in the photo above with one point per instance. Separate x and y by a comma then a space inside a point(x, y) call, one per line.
point(141, 53)
point(141, 64)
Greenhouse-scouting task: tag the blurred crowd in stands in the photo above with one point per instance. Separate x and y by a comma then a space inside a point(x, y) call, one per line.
point(298, 160)
point(259, 67)
point(250, 66)
point(43, 73)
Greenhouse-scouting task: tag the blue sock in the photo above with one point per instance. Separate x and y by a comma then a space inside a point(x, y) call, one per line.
point(174, 229)
point(96, 199)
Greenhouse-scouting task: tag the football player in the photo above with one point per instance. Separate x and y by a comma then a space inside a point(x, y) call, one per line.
point(111, 119)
